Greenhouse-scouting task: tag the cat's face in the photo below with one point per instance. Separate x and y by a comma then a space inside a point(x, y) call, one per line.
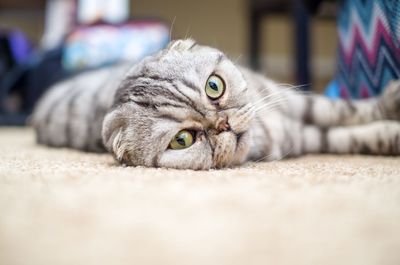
point(185, 107)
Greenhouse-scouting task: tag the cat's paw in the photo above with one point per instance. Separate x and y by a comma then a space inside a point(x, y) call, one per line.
point(390, 101)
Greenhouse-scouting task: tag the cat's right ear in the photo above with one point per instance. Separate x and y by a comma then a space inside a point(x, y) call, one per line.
point(181, 45)
point(112, 133)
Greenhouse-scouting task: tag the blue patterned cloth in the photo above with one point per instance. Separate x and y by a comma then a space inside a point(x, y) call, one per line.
point(369, 48)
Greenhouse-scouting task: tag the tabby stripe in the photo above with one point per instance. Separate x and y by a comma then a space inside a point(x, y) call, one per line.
point(220, 57)
point(192, 104)
point(190, 85)
point(288, 143)
point(185, 82)
point(156, 158)
point(98, 113)
point(162, 93)
point(143, 91)
point(56, 103)
point(350, 106)
point(69, 111)
point(192, 46)
point(167, 94)
point(324, 143)
point(394, 145)
point(365, 149)
point(169, 117)
point(308, 116)
point(267, 150)
point(170, 81)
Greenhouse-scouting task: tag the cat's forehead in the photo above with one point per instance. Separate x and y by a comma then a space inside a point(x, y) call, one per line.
point(177, 61)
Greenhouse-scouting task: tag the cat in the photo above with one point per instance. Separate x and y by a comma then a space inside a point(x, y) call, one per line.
point(190, 107)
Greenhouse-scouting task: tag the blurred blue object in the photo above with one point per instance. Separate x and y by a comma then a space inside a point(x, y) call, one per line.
point(105, 44)
point(20, 46)
point(332, 90)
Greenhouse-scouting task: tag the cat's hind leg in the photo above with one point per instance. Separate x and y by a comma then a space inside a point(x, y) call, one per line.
point(375, 138)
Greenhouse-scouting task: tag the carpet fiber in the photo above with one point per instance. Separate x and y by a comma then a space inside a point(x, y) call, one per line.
point(60, 206)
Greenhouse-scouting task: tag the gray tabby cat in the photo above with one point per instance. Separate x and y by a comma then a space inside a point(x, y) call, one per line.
point(190, 107)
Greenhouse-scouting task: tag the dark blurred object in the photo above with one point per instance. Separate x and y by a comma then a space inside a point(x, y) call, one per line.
point(312, 5)
point(22, 4)
point(24, 83)
point(300, 11)
point(15, 50)
point(260, 9)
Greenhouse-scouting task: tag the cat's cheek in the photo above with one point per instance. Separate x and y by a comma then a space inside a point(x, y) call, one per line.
point(197, 157)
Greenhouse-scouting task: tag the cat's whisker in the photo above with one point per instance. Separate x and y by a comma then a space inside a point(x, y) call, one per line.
point(187, 32)
point(273, 103)
point(270, 95)
point(276, 159)
point(267, 108)
point(295, 88)
point(287, 153)
point(237, 59)
point(172, 27)
point(289, 88)
point(263, 158)
point(292, 86)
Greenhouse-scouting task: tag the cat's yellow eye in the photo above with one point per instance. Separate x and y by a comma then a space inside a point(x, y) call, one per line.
point(215, 87)
point(181, 140)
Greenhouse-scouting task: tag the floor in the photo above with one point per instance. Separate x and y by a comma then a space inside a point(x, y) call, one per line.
point(60, 206)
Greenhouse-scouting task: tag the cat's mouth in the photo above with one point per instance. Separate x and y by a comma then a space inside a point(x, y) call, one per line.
point(229, 149)
point(239, 136)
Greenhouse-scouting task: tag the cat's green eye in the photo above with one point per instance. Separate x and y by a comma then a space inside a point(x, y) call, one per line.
point(215, 87)
point(181, 140)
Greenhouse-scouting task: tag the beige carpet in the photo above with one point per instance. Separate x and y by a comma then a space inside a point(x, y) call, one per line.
point(66, 207)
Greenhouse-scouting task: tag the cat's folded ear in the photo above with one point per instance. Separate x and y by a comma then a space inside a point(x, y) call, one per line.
point(112, 132)
point(181, 45)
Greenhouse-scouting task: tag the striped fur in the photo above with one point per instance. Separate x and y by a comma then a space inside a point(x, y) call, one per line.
point(134, 112)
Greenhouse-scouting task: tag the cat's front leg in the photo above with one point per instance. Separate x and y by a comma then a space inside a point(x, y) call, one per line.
point(324, 112)
point(375, 138)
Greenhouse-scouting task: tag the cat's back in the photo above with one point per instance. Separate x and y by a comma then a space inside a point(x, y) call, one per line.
point(70, 114)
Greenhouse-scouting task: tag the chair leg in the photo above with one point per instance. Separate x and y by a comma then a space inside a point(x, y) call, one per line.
point(254, 45)
point(302, 44)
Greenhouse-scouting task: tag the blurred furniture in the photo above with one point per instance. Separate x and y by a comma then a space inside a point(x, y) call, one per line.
point(68, 49)
point(22, 4)
point(259, 9)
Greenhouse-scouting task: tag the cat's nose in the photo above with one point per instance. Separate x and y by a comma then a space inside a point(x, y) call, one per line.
point(222, 124)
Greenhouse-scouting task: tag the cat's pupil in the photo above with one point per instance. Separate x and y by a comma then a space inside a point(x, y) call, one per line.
point(180, 140)
point(213, 86)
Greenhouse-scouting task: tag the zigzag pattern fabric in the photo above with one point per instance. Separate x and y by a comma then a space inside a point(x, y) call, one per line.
point(369, 46)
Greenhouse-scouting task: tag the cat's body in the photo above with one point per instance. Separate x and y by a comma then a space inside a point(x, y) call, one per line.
point(135, 112)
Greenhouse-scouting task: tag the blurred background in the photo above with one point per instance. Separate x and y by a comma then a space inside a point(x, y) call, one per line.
point(43, 42)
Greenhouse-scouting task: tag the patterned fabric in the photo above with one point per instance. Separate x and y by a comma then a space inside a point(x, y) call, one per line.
point(369, 50)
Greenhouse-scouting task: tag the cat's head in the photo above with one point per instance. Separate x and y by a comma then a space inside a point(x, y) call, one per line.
point(185, 107)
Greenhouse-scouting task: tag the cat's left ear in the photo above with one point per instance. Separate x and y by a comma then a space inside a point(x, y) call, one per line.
point(181, 45)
